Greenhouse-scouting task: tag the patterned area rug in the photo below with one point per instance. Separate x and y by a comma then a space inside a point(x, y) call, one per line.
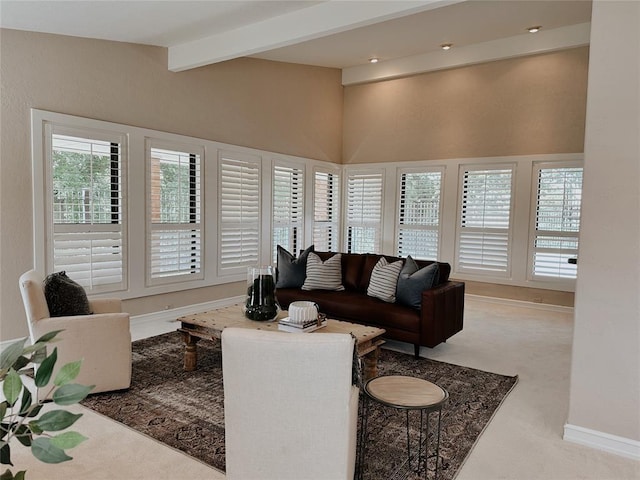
point(185, 409)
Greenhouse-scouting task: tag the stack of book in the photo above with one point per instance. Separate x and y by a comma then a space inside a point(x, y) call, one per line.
point(286, 325)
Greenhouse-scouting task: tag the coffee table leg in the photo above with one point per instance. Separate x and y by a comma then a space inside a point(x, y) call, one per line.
point(190, 352)
point(371, 364)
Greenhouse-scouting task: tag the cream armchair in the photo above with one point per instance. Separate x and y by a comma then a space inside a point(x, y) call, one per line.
point(102, 340)
point(289, 406)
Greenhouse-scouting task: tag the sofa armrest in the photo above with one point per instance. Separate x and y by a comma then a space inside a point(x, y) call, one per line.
point(441, 313)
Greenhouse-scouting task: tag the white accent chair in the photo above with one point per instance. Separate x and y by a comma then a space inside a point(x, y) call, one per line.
point(289, 405)
point(102, 340)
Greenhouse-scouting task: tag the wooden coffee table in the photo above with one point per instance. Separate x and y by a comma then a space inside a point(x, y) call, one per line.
point(209, 325)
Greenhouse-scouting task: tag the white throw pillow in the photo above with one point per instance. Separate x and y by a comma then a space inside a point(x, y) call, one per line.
point(325, 275)
point(384, 279)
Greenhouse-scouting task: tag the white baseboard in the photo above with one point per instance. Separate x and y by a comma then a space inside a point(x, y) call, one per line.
point(172, 314)
point(622, 446)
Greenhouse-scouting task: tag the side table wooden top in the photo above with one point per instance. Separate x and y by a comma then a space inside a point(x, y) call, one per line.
point(400, 391)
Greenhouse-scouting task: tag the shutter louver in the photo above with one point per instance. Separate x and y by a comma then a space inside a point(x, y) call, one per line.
point(364, 212)
point(557, 222)
point(483, 239)
point(418, 230)
point(239, 214)
point(87, 211)
point(288, 208)
point(326, 205)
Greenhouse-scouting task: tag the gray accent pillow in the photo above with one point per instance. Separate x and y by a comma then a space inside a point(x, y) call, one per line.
point(384, 280)
point(414, 280)
point(64, 296)
point(291, 270)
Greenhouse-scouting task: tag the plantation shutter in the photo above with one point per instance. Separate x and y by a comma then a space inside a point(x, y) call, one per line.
point(239, 214)
point(326, 205)
point(175, 236)
point(484, 228)
point(87, 211)
point(557, 221)
point(419, 215)
point(288, 208)
point(364, 212)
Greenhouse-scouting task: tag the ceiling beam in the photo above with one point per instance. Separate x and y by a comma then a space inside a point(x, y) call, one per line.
point(319, 20)
point(517, 46)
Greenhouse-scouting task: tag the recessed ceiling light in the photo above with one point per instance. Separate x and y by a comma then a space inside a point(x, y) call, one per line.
point(446, 46)
point(373, 60)
point(534, 29)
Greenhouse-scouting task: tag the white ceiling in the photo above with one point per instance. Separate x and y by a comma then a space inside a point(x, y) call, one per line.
point(335, 33)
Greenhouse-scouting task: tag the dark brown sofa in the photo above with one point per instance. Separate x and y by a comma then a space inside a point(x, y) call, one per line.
point(439, 318)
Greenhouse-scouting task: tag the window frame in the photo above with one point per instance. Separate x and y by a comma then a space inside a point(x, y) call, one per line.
point(401, 172)
point(334, 197)
point(480, 272)
point(297, 224)
point(43, 128)
point(177, 147)
point(377, 225)
point(562, 282)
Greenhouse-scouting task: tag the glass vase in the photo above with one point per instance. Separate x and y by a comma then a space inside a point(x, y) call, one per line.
point(261, 304)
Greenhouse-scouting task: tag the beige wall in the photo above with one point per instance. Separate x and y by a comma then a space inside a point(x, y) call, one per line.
point(522, 106)
point(605, 373)
point(272, 106)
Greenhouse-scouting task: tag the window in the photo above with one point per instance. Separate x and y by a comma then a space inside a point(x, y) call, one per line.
point(174, 214)
point(485, 220)
point(239, 212)
point(556, 223)
point(326, 208)
point(419, 214)
point(287, 208)
point(364, 212)
point(86, 182)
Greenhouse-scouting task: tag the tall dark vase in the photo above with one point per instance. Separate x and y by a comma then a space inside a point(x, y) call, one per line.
point(261, 304)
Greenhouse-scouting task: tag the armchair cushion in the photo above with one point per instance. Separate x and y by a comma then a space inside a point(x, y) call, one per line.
point(65, 296)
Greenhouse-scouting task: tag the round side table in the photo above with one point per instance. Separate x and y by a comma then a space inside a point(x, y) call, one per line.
point(407, 393)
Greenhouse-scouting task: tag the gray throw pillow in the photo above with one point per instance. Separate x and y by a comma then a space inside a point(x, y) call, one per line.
point(291, 270)
point(414, 280)
point(64, 296)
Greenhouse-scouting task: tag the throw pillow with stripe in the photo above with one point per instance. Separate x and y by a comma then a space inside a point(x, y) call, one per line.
point(384, 279)
point(325, 275)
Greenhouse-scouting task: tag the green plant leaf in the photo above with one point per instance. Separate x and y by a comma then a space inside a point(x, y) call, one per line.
point(23, 434)
point(71, 393)
point(35, 410)
point(7, 475)
point(4, 429)
point(11, 387)
point(11, 353)
point(21, 362)
point(67, 373)
point(43, 375)
point(5, 454)
point(26, 401)
point(55, 420)
point(68, 440)
point(3, 409)
point(44, 450)
point(47, 337)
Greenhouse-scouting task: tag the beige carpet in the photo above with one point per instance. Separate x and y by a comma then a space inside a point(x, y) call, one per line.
point(523, 441)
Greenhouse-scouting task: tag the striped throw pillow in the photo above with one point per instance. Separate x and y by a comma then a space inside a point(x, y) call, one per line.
point(384, 279)
point(325, 275)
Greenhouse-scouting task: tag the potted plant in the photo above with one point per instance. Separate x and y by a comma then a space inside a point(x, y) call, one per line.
point(46, 435)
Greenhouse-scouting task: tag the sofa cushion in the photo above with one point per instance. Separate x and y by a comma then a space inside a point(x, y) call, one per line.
point(325, 275)
point(291, 271)
point(384, 279)
point(414, 280)
point(64, 296)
